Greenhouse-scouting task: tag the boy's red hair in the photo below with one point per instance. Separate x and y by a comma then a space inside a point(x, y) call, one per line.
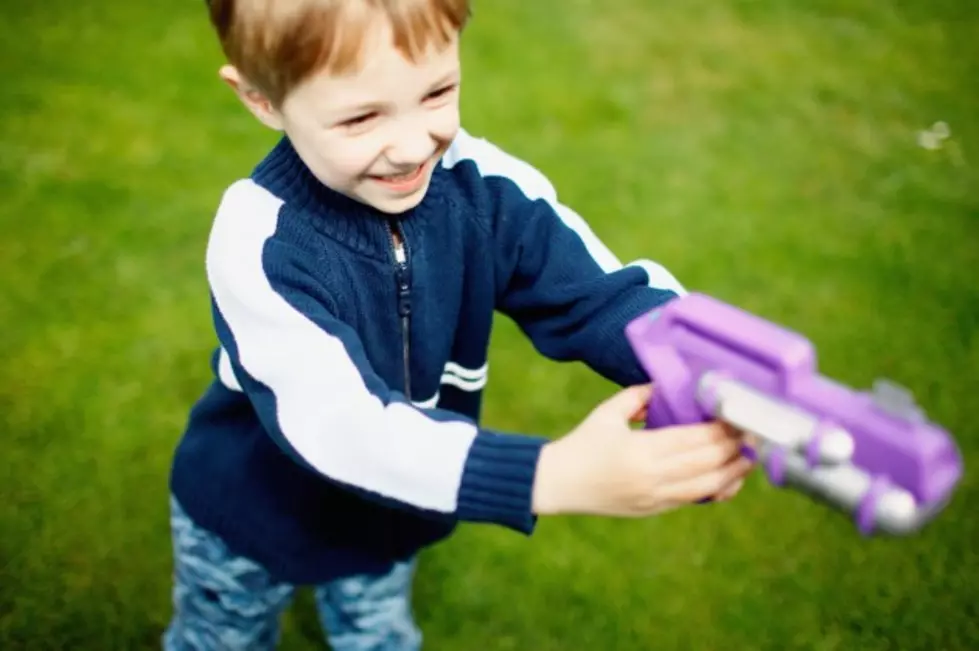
point(278, 44)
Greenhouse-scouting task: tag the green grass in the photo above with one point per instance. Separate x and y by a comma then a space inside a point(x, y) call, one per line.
point(765, 151)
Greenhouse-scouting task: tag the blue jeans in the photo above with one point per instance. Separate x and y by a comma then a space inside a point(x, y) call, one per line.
point(224, 602)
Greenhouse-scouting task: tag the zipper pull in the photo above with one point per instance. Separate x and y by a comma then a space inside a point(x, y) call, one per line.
point(401, 275)
point(404, 291)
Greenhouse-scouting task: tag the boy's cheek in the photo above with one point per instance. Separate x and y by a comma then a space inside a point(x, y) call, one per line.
point(446, 126)
point(339, 165)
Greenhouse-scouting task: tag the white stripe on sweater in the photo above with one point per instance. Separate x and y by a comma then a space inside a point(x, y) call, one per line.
point(225, 373)
point(493, 161)
point(323, 407)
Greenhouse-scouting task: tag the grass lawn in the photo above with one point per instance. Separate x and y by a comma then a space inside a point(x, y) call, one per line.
point(764, 151)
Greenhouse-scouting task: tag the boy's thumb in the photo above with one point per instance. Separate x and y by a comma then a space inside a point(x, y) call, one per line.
point(630, 400)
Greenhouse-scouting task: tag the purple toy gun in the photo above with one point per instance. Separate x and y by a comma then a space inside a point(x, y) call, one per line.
point(871, 454)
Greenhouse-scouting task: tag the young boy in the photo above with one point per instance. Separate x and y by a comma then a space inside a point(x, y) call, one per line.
point(354, 276)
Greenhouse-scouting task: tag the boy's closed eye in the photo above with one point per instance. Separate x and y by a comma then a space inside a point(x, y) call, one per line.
point(440, 92)
point(362, 119)
point(359, 120)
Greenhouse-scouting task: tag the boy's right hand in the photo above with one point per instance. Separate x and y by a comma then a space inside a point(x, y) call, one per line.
point(605, 467)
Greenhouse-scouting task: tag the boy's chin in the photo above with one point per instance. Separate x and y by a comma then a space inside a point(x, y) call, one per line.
point(393, 204)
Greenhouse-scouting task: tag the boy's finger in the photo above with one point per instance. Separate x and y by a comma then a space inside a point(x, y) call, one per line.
point(708, 484)
point(689, 465)
point(639, 416)
point(730, 491)
point(680, 439)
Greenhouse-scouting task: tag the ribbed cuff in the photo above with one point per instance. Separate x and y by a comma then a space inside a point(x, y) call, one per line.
point(498, 480)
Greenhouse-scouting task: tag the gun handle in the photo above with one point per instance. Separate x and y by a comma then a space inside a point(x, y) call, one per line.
point(673, 401)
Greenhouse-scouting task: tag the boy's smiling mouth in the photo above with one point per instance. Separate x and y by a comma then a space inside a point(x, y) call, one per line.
point(406, 182)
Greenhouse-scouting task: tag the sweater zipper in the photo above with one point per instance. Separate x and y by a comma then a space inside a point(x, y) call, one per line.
point(401, 277)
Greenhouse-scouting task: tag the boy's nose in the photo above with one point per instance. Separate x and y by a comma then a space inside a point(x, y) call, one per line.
point(411, 149)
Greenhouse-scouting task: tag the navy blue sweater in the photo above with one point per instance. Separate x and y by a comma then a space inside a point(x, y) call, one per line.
point(341, 431)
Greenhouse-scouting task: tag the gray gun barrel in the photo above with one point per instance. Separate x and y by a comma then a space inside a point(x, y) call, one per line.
point(845, 486)
point(773, 421)
point(797, 449)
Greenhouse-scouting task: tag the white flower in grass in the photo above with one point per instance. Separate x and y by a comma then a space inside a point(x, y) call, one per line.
point(932, 138)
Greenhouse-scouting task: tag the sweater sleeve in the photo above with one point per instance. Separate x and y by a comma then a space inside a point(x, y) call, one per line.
point(561, 285)
point(307, 376)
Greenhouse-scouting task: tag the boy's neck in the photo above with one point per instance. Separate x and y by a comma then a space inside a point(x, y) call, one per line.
point(358, 225)
point(284, 174)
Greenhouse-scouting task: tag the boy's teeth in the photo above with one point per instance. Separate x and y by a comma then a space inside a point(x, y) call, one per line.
point(400, 177)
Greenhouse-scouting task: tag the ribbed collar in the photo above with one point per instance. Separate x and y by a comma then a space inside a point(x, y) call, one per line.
point(360, 227)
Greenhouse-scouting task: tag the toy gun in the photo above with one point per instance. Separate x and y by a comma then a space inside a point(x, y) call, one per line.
point(871, 454)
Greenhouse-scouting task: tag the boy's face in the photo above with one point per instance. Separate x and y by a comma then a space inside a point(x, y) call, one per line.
point(376, 135)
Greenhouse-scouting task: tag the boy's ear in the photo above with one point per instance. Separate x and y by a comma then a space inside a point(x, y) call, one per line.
point(253, 99)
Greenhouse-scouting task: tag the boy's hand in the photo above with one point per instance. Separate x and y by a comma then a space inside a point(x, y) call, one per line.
point(605, 467)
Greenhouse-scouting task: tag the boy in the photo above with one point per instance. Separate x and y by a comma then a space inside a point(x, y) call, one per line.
point(354, 276)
